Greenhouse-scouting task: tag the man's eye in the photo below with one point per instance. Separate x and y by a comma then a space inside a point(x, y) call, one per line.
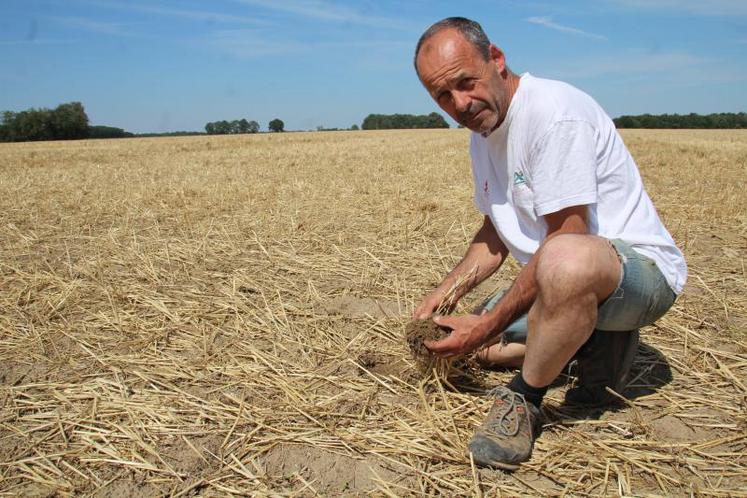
point(444, 97)
point(467, 83)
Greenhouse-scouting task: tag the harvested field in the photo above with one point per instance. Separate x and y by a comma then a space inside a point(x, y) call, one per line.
point(226, 316)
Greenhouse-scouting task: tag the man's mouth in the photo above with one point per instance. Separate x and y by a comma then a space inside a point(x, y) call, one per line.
point(470, 117)
point(476, 114)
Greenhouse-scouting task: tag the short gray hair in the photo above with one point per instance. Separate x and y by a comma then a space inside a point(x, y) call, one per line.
point(470, 30)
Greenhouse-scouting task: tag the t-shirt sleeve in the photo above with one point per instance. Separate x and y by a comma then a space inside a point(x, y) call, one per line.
point(563, 167)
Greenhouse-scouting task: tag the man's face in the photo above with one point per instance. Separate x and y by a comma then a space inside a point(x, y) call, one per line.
point(470, 89)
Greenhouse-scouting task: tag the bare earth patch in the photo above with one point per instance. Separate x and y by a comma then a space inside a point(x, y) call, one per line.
point(326, 471)
point(360, 307)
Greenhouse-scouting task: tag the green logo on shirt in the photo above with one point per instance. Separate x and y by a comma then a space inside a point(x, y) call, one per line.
point(519, 178)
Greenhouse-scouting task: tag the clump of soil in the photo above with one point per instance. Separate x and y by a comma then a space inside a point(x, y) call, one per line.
point(461, 371)
point(418, 331)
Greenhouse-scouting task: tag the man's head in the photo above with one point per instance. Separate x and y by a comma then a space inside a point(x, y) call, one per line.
point(465, 74)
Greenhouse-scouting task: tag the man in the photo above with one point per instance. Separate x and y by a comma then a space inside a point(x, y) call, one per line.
point(560, 192)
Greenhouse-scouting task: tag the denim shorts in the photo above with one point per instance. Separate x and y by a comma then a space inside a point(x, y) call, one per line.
point(642, 296)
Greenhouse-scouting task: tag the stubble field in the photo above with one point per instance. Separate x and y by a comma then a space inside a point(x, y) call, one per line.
point(225, 316)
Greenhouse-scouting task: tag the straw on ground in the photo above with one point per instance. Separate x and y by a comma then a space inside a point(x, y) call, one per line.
point(224, 315)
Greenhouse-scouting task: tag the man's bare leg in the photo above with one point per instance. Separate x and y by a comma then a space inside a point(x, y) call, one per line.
point(574, 274)
point(501, 355)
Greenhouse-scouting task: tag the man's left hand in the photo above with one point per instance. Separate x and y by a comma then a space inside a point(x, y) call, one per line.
point(469, 332)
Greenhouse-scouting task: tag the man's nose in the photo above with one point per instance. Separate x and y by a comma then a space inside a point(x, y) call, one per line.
point(462, 102)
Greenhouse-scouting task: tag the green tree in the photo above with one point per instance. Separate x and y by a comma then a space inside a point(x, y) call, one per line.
point(107, 132)
point(401, 121)
point(33, 124)
point(684, 121)
point(222, 127)
point(6, 129)
point(369, 122)
point(354, 127)
point(276, 125)
point(625, 122)
point(235, 126)
point(69, 121)
point(243, 126)
point(435, 120)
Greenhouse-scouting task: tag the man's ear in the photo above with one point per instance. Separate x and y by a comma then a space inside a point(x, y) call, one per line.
point(497, 58)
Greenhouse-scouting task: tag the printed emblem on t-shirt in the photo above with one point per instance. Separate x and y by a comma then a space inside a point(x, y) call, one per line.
point(522, 195)
point(485, 188)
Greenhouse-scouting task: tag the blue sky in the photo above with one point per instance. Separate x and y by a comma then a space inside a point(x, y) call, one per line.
point(166, 65)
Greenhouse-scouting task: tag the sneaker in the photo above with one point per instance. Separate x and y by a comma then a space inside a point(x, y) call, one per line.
point(604, 361)
point(507, 436)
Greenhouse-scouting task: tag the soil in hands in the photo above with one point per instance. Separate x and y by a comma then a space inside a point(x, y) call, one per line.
point(418, 331)
point(461, 372)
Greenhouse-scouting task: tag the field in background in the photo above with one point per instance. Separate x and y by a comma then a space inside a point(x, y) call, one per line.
point(225, 315)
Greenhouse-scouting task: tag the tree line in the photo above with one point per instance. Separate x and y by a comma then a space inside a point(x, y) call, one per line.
point(108, 132)
point(69, 121)
point(402, 121)
point(231, 127)
point(353, 127)
point(238, 126)
point(65, 122)
point(720, 120)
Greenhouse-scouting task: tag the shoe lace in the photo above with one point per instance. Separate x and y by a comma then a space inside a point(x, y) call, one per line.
point(503, 423)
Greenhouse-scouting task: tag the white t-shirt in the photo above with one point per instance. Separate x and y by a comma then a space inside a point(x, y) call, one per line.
point(557, 148)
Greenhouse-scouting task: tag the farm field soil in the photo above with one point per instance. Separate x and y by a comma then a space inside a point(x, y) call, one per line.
point(226, 316)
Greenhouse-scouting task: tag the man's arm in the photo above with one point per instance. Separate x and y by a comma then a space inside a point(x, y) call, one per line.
point(485, 254)
point(471, 332)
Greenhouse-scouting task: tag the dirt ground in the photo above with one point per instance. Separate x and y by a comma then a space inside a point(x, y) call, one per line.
point(226, 316)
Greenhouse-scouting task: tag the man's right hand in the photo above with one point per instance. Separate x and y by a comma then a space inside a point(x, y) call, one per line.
point(429, 305)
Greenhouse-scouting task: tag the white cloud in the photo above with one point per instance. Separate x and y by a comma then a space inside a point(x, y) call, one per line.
point(729, 8)
point(106, 28)
point(326, 11)
point(253, 43)
point(37, 41)
point(248, 43)
point(674, 67)
point(196, 15)
point(630, 63)
point(547, 22)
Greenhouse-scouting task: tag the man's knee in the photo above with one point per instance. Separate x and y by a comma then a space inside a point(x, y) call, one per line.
point(577, 264)
point(564, 260)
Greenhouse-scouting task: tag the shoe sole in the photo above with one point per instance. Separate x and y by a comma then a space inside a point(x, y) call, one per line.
point(495, 465)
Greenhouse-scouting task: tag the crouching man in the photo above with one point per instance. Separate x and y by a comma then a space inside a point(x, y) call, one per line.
point(561, 193)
